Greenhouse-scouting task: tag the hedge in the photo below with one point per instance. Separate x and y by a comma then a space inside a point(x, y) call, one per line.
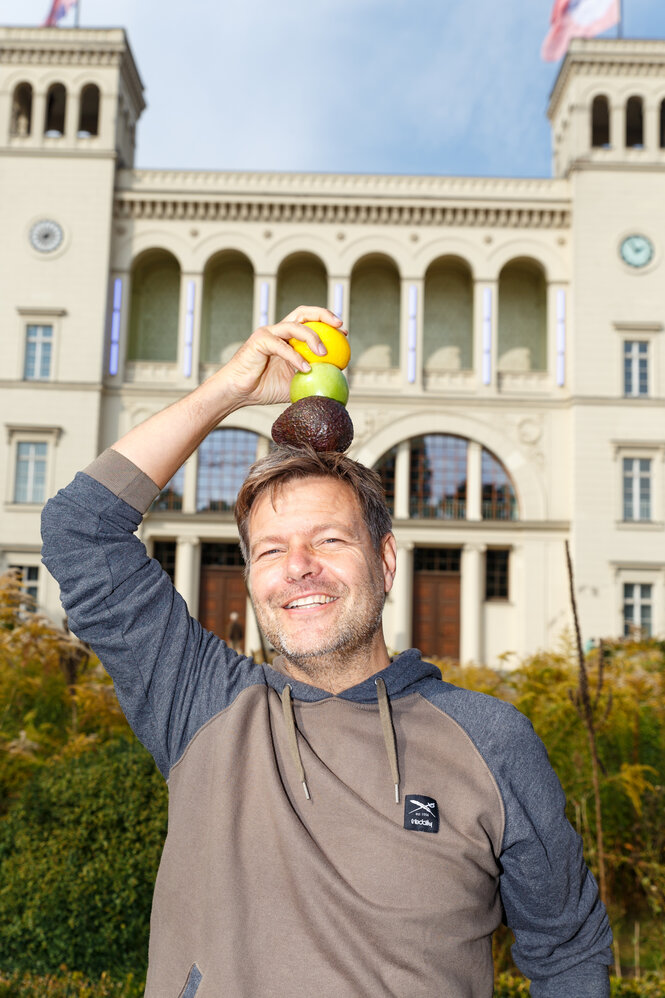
point(79, 851)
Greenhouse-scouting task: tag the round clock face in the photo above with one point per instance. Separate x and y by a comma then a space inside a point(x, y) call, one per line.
point(46, 236)
point(636, 251)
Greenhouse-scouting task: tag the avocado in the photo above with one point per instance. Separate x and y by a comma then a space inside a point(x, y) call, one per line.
point(321, 422)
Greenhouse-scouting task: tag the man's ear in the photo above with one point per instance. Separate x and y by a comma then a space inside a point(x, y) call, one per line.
point(388, 561)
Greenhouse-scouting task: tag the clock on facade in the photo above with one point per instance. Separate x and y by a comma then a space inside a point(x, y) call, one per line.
point(46, 235)
point(636, 251)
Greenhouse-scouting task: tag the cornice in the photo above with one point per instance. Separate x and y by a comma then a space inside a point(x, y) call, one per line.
point(342, 199)
point(341, 213)
point(632, 57)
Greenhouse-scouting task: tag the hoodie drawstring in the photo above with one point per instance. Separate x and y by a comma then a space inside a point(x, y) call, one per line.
point(290, 721)
point(386, 728)
point(388, 732)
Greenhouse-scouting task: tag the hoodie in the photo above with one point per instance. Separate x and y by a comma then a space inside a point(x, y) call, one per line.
point(360, 844)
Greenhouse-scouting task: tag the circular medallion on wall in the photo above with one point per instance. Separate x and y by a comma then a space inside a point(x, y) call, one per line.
point(636, 250)
point(46, 235)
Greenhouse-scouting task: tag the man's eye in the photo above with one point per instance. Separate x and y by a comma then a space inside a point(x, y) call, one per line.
point(333, 540)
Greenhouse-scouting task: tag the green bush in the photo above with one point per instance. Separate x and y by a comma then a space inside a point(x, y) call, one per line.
point(509, 986)
point(79, 851)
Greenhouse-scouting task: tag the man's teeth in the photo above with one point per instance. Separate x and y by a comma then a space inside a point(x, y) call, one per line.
point(310, 601)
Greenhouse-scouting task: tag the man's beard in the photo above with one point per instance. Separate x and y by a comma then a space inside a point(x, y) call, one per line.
point(335, 653)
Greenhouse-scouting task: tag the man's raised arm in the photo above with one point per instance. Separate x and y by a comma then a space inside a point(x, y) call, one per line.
point(258, 374)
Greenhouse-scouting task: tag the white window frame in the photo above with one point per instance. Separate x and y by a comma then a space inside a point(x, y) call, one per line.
point(635, 357)
point(39, 317)
point(633, 471)
point(25, 561)
point(641, 450)
point(641, 574)
point(21, 434)
point(641, 332)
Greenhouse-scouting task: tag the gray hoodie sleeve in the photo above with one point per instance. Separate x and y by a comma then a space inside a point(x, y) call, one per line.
point(550, 898)
point(170, 674)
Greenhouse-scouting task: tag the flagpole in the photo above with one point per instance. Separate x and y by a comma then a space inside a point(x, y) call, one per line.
point(78, 13)
point(619, 22)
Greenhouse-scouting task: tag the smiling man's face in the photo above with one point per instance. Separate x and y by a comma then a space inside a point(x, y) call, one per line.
point(317, 583)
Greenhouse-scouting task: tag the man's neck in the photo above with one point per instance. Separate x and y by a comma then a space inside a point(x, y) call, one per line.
point(338, 671)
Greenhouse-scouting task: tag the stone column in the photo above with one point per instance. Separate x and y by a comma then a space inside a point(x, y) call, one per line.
point(556, 334)
point(265, 286)
point(252, 633)
point(187, 571)
point(402, 480)
point(485, 348)
point(401, 599)
point(474, 481)
point(471, 623)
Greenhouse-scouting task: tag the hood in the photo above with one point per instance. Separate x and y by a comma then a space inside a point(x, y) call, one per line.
point(402, 677)
point(406, 671)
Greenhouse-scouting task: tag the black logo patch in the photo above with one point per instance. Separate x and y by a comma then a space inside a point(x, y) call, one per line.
point(421, 813)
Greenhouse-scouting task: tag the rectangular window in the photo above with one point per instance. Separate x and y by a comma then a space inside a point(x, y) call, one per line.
point(30, 483)
point(635, 368)
point(38, 353)
point(29, 579)
point(637, 607)
point(496, 574)
point(170, 498)
point(636, 488)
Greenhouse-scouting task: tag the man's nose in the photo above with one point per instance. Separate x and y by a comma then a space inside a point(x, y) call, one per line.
point(301, 562)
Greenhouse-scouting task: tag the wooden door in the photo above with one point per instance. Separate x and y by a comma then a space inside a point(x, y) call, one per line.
point(436, 614)
point(222, 591)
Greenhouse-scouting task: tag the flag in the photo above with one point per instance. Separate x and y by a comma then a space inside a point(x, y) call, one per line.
point(58, 10)
point(577, 19)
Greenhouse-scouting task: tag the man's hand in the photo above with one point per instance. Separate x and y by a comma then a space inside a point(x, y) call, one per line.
point(260, 372)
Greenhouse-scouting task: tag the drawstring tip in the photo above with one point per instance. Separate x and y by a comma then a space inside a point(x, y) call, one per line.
point(304, 786)
point(397, 793)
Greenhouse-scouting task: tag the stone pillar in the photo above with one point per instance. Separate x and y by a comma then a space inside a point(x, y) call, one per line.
point(402, 480)
point(189, 338)
point(617, 125)
point(474, 481)
point(338, 298)
point(411, 334)
point(471, 623)
point(401, 599)
point(190, 484)
point(265, 286)
point(187, 571)
point(485, 347)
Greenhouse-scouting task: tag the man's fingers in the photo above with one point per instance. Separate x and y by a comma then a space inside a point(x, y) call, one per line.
point(313, 313)
point(272, 340)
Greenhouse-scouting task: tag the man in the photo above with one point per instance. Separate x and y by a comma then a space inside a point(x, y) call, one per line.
point(340, 824)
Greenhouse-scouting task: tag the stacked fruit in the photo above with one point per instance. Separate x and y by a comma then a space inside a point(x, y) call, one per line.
point(318, 416)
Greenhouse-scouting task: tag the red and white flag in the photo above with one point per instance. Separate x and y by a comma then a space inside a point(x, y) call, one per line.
point(577, 19)
point(58, 10)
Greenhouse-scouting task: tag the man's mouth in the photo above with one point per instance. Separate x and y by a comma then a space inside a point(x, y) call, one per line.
point(305, 601)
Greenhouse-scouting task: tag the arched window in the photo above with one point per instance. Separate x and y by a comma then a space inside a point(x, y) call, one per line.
point(374, 314)
point(634, 123)
point(153, 323)
point(522, 337)
point(301, 280)
point(224, 459)
point(498, 496)
point(600, 123)
point(56, 100)
point(661, 130)
point(438, 477)
point(89, 111)
point(22, 110)
point(228, 293)
point(448, 316)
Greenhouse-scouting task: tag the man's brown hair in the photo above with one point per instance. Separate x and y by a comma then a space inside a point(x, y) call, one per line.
point(284, 464)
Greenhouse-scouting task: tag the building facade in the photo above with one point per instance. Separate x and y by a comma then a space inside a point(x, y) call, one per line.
point(508, 366)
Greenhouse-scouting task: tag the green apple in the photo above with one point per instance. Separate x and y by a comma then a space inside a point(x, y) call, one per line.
point(323, 379)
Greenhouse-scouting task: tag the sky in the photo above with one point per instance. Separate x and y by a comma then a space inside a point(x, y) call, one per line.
point(453, 87)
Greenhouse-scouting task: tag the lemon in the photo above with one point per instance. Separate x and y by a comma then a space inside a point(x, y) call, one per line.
point(335, 343)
